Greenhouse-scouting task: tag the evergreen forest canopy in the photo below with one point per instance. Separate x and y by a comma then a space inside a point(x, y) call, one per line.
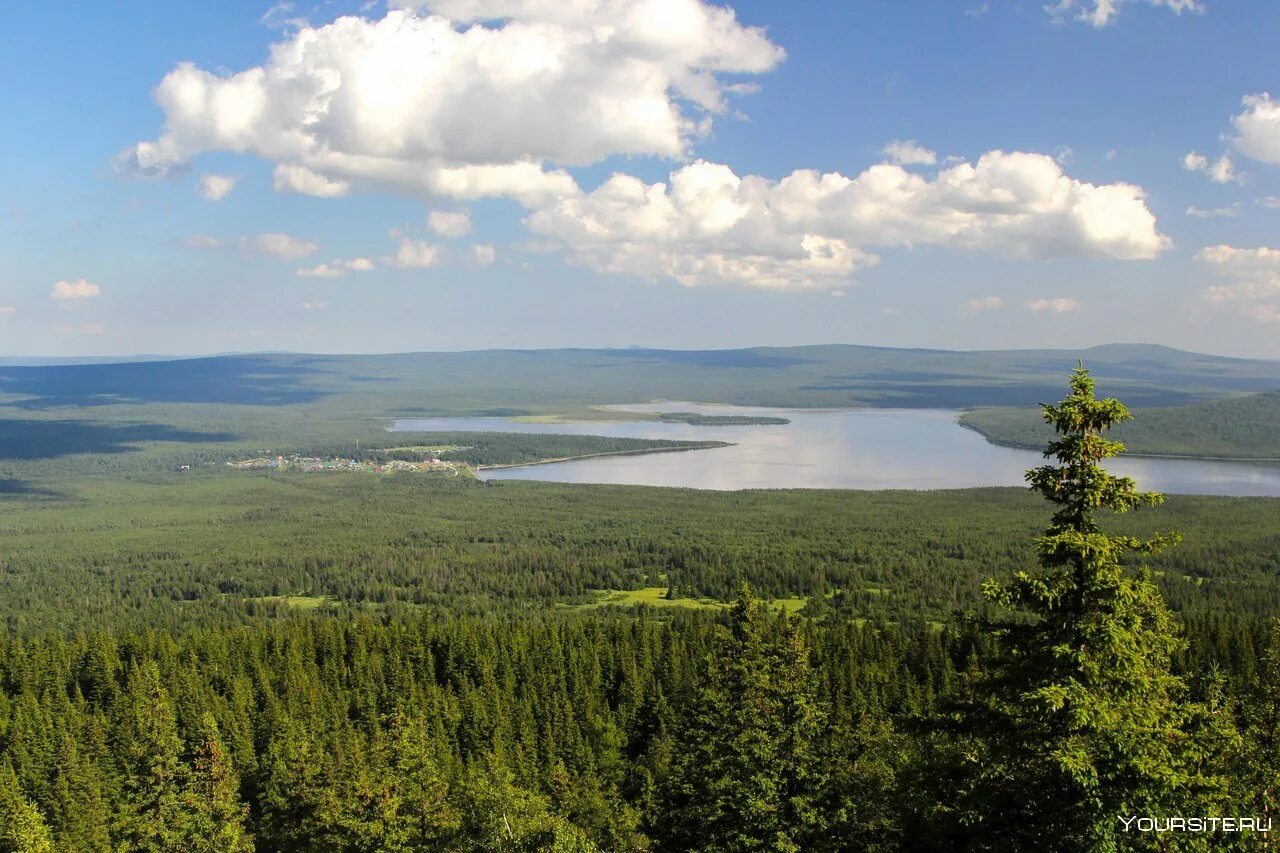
point(1238, 428)
point(222, 660)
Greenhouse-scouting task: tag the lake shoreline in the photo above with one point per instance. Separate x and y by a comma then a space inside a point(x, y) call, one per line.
point(1136, 454)
point(862, 448)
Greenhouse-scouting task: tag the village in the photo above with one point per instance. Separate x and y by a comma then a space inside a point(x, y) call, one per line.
point(296, 462)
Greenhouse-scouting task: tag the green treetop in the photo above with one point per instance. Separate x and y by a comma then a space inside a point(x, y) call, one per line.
point(1081, 721)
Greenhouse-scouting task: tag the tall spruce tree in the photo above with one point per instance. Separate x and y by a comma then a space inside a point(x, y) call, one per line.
point(748, 775)
point(1258, 777)
point(22, 827)
point(1079, 721)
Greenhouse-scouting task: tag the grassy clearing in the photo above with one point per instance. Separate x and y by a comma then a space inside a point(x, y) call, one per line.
point(656, 596)
point(651, 595)
point(298, 602)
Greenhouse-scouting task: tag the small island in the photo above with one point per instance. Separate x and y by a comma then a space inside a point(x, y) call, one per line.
point(695, 419)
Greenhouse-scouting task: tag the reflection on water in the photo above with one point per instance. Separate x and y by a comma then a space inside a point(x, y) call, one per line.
point(858, 449)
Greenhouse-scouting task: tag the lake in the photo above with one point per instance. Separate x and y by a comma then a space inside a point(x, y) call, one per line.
point(827, 449)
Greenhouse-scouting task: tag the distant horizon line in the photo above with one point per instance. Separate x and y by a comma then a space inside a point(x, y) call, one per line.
point(52, 360)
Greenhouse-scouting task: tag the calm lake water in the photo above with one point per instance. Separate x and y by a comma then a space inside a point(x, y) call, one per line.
point(851, 449)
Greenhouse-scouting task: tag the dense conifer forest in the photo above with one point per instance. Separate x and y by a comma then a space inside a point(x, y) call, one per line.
point(1239, 428)
point(224, 660)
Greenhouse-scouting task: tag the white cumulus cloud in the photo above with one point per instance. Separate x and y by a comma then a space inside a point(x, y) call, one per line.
point(484, 254)
point(449, 223)
point(337, 268)
point(75, 291)
point(1057, 304)
point(1099, 13)
point(1251, 279)
point(415, 254)
point(292, 178)
point(1220, 171)
point(909, 153)
point(216, 187)
point(283, 246)
point(1257, 129)
point(982, 303)
point(465, 98)
point(708, 225)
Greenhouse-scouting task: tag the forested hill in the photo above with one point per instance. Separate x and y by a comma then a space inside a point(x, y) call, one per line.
point(157, 413)
point(536, 381)
point(1240, 428)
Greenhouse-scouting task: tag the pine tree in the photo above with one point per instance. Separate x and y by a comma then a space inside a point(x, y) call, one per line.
point(1259, 773)
point(1080, 721)
point(22, 828)
point(152, 814)
point(215, 816)
point(500, 816)
point(747, 775)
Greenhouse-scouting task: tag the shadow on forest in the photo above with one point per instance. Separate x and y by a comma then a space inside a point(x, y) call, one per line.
point(21, 439)
point(11, 487)
point(243, 380)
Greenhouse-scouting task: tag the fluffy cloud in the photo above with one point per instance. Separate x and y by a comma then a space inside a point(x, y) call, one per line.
point(465, 98)
point(710, 226)
point(283, 246)
point(292, 178)
point(1257, 128)
point(484, 254)
point(337, 268)
point(1058, 305)
point(449, 224)
point(1220, 171)
point(7, 310)
point(414, 254)
point(982, 303)
point(909, 152)
point(1099, 13)
point(216, 187)
point(1251, 279)
point(74, 292)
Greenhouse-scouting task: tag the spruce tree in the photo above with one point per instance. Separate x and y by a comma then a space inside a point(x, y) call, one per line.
point(1258, 777)
point(1079, 721)
point(152, 814)
point(214, 816)
point(22, 827)
point(747, 773)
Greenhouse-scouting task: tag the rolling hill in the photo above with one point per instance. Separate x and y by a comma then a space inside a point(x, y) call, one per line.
point(1239, 428)
point(274, 399)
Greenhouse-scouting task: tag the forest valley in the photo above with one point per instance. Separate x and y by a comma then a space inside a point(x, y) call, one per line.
point(1057, 705)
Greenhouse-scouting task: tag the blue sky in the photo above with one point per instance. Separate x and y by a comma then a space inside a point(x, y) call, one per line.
point(635, 173)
